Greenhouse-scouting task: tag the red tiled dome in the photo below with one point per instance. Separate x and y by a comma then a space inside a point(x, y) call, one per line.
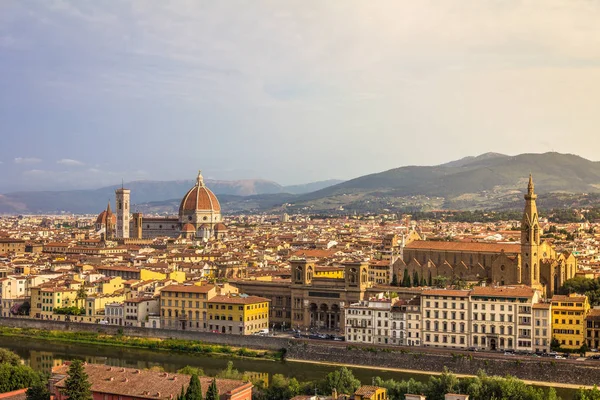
point(220, 227)
point(199, 198)
point(102, 218)
point(188, 228)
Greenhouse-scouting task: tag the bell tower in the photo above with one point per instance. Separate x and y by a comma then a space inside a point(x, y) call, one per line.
point(530, 239)
point(122, 200)
point(302, 271)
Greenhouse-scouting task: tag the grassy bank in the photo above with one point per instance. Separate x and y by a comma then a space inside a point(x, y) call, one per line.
point(178, 345)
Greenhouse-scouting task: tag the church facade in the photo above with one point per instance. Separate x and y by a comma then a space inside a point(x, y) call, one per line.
point(199, 218)
point(532, 262)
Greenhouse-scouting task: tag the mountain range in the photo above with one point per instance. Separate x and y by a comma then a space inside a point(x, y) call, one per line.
point(489, 181)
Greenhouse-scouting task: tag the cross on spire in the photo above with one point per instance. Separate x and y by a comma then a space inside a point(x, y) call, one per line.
point(200, 179)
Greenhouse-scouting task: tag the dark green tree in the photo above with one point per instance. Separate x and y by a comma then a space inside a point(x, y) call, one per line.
point(213, 392)
point(406, 279)
point(194, 390)
point(342, 380)
point(587, 394)
point(430, 283)
point(77, 386)
point(39, 391)
point(416, 281)
point(181, 395)
point(394, 280)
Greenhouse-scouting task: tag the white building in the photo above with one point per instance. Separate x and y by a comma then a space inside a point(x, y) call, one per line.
point(501, 317)
point(137, 311)
point(368, 321)
point(113, 314)
point(445, 318)
point(542, 332)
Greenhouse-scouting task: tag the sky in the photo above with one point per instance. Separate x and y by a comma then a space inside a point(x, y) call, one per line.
point(93, 92)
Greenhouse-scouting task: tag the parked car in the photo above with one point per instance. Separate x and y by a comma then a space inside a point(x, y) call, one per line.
point(560, 357)
point(472, 349)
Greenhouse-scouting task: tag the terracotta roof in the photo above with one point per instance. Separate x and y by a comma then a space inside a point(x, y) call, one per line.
point(20, 394)
point(446, 292)
point(143, 383)
point(188, 288)
point(502, 291)
point(367, 390)
point(102, 218)
point(594, 315)
point(464, 246)
point(199, 198)
point(559, 297)
point(542, 306)
point(188, 228)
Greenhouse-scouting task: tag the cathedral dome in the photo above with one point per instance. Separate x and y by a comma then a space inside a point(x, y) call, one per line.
point(199, 198)
point(102, 218)
point(187, 228)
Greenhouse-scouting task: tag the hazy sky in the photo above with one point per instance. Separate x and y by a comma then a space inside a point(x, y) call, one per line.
point(293, 91)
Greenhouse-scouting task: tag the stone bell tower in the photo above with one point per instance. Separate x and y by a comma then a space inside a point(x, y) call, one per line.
point(122, 200)
point(530, 239)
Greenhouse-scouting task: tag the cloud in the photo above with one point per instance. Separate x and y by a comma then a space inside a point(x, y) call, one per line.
point(27, 160)
point(70, 162)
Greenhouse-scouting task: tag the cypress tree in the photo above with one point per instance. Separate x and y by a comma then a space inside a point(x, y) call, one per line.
point(394, 280)
point(181, 395)
point(194, 390)
point(416, 281)
point(424, 281)
point(406, 279)
point(213, 392)
point(430, 279)
point(77, 386)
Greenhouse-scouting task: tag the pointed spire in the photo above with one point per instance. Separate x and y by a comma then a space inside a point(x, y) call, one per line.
point(108, 210)
point(530, 186)
point(200, 179)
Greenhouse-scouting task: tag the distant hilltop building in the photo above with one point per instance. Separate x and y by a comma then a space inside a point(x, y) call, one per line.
point(532, 262)
point(199, 218)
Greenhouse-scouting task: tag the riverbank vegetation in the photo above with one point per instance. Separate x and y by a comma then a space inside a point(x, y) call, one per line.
point(14, 375)
point(480, 387)
point(179, 345)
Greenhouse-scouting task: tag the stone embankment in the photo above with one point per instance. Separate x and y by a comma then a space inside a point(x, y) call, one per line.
point(416, 359)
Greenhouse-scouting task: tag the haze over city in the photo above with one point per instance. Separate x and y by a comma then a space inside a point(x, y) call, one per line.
point(95, 92)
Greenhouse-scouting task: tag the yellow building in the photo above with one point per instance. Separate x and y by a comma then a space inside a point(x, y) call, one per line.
point(370, 393)
point(184, 306)
point(44, 300)
point(568, 319)
point(238, 314)
point(109, 285)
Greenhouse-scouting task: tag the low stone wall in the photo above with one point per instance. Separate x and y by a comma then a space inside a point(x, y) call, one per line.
point(254, 342)
point(417, 359)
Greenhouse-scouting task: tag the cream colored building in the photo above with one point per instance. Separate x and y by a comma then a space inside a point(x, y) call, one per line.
point(502, 317)
point(542, 327)
point(368, 321)
point(445, 315)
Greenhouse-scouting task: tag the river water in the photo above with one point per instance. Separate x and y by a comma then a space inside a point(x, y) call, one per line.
point(42, 355)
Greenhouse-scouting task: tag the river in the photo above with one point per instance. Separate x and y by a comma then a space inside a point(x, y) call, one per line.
point(42, 355)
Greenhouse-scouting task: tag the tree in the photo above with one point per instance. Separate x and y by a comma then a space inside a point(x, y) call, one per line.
point(194, 390)
point(8, 357)
point(394, 280)
point(430, 279)
point(230, 372)
point(416, 281)
point(587, 394)
point(15, 377)
point(342, 381)
point(440, 281)
point(39, 391)
point(213, 392)
point(406, 279)
point(77, 386)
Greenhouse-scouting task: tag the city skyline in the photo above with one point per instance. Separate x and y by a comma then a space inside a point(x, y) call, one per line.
point(93, 93)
